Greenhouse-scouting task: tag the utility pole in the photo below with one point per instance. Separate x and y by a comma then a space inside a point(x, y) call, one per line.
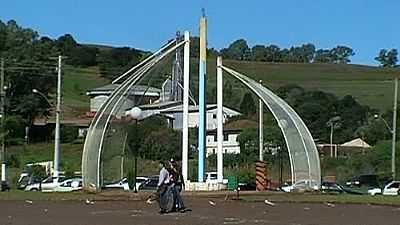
point(2, 112)
point(396, 87)
point(58, 112)
point(261, 128)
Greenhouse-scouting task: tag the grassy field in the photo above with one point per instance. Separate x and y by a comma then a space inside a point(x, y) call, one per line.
point(76, 82)
point(372, 86)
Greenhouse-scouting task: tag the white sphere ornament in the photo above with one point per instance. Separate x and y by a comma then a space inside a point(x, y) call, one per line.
point(134, 112)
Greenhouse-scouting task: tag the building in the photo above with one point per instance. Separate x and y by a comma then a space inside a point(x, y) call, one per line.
point(230, 145)
point(144, 94)
point(345, 150)
point(174, 110)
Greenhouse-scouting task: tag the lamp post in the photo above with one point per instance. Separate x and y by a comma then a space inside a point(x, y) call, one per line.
point(135, 113)
point(56, 133)
point(333, 123)
point(393, 132)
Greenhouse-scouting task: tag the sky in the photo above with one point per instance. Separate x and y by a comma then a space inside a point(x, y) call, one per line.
point(365, 25)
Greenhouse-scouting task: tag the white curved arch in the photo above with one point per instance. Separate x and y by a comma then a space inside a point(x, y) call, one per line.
point(92, 151)
point(303, 154)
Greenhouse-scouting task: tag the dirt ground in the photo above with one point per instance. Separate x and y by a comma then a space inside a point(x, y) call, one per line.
point(203, 212)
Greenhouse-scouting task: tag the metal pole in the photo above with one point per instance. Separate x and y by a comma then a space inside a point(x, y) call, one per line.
point(57, 131)
point(396, 86)
point(261, 126)
point(220, 121)
point(202, 98)
point(185, 119)
point(331, 139)
point(136, 152)
point(2, 114)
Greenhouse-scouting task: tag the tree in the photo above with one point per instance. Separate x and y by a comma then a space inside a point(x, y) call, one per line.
point(66, 44)
point(341, 54)
point(323, 56)
point(247, 106)
point(258, 53)
point(115, 61)
point(238, 50)
point(83, 56)
point(387, 58)
point(27, 67)
point(272, 53)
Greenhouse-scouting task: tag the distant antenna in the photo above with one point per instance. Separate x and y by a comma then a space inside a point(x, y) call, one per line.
point(203, 12)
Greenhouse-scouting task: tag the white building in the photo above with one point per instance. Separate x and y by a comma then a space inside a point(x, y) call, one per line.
point(141, 93)
point(174, 110)
point(230, 144)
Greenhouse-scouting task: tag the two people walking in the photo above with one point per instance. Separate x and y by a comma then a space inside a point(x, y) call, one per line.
point(170, 183)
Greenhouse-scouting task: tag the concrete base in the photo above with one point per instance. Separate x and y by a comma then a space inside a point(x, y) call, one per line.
point(203, 186)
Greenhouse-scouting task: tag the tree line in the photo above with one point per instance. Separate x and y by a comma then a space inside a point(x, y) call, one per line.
point(305, 53)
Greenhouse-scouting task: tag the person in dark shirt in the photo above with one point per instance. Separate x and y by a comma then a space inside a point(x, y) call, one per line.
point(177, 185)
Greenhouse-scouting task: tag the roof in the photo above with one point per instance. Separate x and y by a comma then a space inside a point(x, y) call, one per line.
point(135, 90)
point(357, 143)
point(195, 108)
point(241, 124)
point(160, 105)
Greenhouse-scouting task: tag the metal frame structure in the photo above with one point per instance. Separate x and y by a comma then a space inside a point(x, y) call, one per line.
point(303, 154)
point(94, 143)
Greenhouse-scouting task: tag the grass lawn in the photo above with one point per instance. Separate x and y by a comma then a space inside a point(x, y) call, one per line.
point(76, 82)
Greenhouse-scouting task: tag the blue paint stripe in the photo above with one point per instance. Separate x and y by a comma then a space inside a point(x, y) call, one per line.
point(202, 120)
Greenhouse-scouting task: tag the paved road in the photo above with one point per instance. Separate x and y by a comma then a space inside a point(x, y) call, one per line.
point(223, 212)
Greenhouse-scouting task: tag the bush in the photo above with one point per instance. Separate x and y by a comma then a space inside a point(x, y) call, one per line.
point(13, 161)
point(68, 134)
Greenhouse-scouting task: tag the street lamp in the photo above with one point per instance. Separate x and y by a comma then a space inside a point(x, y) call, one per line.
point(334, 124)
point(377, 116)
point(393, 132)
point(135, 113)
point(36, 91)
point(56, 133)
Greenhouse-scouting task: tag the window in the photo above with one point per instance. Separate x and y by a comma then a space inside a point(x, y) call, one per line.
point(48, 180)
point(394, 185)
point(226, 137)
point(214, 116)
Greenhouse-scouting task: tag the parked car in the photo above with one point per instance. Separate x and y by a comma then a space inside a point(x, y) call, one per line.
point(247, 186)
point(364, 180)
point(149, 184)
point(331, 187)
point(212, 178)
point(301, 185)
point(392, 188)
point(69, 185)
point(47, 185)
point(26, 180)
point(123, 183)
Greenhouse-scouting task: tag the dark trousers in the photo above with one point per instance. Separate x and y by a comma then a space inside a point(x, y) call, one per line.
point(161, 196)
point(176, 191)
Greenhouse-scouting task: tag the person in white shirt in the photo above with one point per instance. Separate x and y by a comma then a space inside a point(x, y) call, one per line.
point(162, 187)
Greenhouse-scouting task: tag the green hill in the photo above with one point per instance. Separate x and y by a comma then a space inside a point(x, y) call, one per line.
point(371, 86)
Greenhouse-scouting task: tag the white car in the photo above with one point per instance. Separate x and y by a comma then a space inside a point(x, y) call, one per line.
point(301, 185)
point(391, 188)
point(123, 183)
point(47, 185)
point(212, 178)
point(69, 185)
